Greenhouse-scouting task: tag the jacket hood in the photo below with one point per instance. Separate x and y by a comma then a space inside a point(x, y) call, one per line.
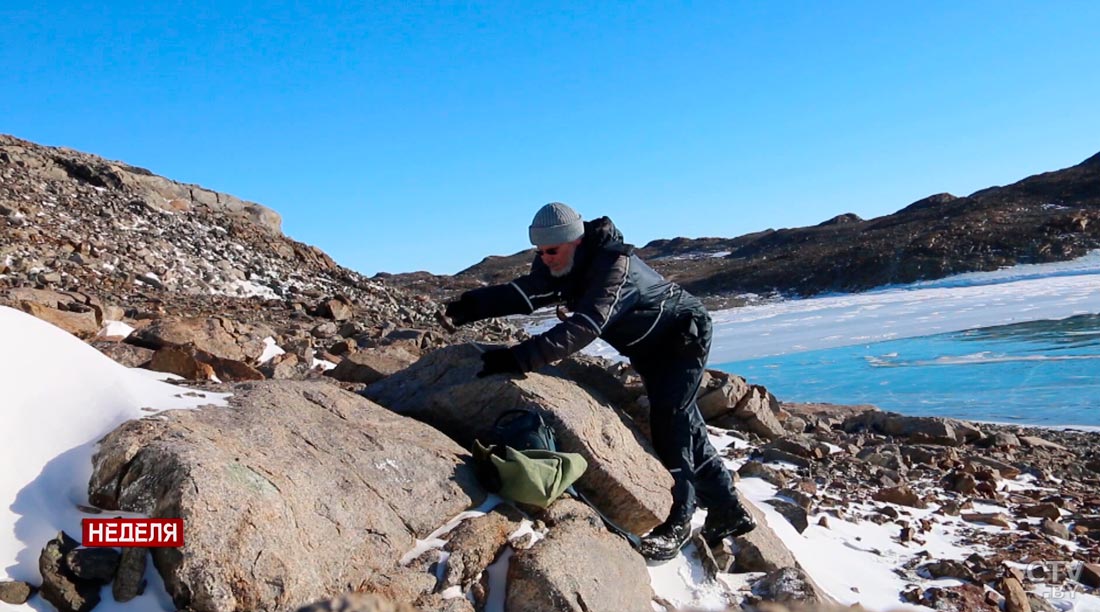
point(601, 233)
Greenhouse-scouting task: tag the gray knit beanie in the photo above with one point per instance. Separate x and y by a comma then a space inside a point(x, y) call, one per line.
point(556, 223)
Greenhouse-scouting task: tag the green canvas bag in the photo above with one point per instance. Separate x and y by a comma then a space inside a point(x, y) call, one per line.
point(522, 463)
point(533, 476)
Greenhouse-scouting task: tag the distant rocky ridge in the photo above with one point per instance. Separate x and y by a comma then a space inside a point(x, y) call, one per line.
point(1048, 217)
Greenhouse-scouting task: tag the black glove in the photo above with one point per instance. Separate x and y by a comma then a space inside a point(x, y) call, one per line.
point(499, 361)
point(460, 311)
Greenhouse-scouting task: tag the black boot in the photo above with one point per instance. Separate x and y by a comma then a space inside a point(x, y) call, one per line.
point(666, 539)
point(729, 520)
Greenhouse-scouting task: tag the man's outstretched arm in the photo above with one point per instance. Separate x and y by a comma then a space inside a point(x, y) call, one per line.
point(522, 296)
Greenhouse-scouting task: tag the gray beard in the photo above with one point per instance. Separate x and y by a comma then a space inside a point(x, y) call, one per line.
point(566, 270)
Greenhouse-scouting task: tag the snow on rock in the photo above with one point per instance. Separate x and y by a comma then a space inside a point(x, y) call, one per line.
point(61, 397)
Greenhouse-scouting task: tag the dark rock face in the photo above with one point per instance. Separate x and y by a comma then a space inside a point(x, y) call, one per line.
point(794, 513)
point(60, 586)
point(93, 564)
point(130, 580)
point(315, 489)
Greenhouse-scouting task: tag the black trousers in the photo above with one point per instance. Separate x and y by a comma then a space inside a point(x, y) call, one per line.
point(672, 378)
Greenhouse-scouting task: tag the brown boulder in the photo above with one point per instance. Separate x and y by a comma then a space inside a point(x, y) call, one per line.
point(373, 364)
point(1047, 511)
point(1055, 528)
point(720, 393)
point(215, 335)
point(803, 446)
point(337, 309)
point(760, 550)
point(15, 592)
point(79, 324)
point(1003, 469)
point(756, 469)
point(1015, 596)
point(1090, 575)
point(961, 482)
point(1037, 442)
point(757, 412)
point(996, 519)
point(181, 362)
point(282, 367)
point(963, 598)
point(60, 586)
point(901, 495)
point(194, 364)
point(45, 297)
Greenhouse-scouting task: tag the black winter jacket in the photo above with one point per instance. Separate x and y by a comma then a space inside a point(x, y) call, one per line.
point(611, 293)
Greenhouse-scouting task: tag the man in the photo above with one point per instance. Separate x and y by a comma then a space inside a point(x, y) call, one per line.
point(662, 329)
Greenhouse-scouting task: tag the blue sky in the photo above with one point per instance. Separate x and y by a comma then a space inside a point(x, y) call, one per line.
point(423, 136)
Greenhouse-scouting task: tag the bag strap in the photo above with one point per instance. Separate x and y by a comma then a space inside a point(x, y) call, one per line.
point(634, 540)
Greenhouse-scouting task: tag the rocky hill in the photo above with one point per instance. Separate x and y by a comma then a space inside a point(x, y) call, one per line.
point(72, 221)
point(84, 240)
point(1047, 217)
point(180, 279)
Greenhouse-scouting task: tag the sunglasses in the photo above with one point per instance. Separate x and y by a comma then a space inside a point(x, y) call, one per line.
point(552, 251)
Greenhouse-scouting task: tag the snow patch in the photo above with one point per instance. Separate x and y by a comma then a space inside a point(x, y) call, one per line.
point(271, 350)
point(47, 459)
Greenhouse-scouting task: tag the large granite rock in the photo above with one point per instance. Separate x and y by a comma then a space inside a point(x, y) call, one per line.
point(294, 492)
point(624, 478)
point(579, 566)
